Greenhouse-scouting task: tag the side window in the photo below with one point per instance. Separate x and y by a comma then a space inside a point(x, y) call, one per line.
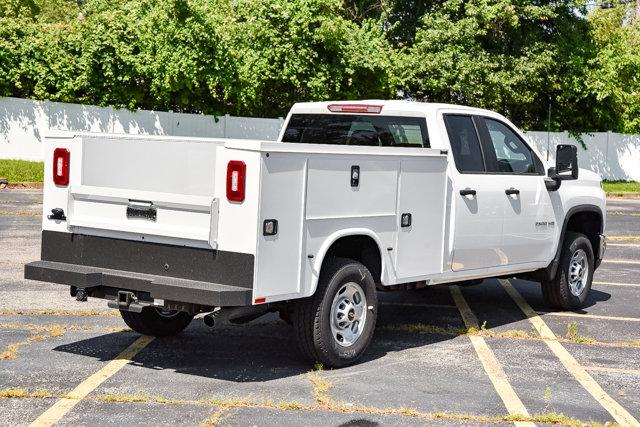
point(512, 154)
point(464, 143)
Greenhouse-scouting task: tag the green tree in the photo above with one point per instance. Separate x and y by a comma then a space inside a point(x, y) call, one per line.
point(304, 50)
point(41, 10)
point(511, 56)
point(614, 72)
point(214, 56)
point(252, 57)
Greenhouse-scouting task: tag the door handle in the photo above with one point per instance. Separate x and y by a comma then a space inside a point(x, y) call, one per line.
point(510, 191)
point(467, 192)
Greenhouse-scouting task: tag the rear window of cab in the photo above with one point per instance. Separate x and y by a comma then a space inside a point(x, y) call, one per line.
point(363, 130)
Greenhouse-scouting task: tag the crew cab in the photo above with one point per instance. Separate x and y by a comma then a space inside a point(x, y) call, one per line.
point(355, 197)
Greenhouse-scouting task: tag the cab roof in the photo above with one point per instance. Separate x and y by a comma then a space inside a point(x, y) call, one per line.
point(385, 107)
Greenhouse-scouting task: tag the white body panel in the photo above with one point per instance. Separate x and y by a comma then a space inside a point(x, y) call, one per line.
point(308, 191)
point(477, 224)
point(306, 188)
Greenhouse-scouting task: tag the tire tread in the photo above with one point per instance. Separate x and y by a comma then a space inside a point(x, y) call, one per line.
point(556, 292)
point(307, 317)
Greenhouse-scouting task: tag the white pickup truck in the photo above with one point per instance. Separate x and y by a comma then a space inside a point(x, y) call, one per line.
point(354, 198)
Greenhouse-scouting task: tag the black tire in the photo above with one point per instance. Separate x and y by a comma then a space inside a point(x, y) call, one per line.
point(312, 316)
point(557, 292)
point(286, 314)
point(152, 321)
point(466, 283)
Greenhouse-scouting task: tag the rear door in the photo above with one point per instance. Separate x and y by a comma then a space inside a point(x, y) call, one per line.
point(477, 201)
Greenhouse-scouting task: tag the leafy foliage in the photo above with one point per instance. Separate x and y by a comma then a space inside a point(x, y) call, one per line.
point(508, 56)
point(253, 57)
point(614, 72)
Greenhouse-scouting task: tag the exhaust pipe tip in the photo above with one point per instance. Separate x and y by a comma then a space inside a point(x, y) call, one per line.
point(209, 320)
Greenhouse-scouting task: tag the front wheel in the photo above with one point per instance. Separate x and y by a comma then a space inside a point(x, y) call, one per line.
point(336, 324)
point(156, 321)
point(570, 287)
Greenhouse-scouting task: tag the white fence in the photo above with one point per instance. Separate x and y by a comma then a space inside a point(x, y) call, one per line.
point(23, 122)
point(614, 156)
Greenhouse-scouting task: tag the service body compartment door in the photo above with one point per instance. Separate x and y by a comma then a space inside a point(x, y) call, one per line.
point(422, 195)
point(331, 193)
point(280, 256)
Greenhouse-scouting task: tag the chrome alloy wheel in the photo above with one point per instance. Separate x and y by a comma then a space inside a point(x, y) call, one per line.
point(578, 272)
point(348, 314)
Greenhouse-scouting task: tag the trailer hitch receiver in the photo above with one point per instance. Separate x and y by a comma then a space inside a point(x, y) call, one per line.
point(125, 298)
point(127, 301)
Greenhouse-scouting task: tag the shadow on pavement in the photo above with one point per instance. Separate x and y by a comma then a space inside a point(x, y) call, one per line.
point(264, 349)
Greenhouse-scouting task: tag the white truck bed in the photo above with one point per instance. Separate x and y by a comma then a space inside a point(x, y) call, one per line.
point(306, 188)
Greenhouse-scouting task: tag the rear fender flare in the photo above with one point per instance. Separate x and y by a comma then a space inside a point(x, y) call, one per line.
point(330, 240)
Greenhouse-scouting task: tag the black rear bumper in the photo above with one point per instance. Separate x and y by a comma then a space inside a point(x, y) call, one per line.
point(103, 266)
point(102, 281)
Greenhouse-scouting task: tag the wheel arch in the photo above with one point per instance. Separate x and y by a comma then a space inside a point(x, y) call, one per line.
point(362, 245)
point(586, 219)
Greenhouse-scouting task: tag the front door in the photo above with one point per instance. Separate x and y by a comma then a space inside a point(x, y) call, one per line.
point(529, 226)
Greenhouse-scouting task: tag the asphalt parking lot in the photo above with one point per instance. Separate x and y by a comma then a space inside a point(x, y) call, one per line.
point(480, 355)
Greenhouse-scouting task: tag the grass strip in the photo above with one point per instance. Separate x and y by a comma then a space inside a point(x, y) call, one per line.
point(549, 418)
point(21, 171)
point(30, 312)
point(621, 186)
point(43, 332)
point(572, 335)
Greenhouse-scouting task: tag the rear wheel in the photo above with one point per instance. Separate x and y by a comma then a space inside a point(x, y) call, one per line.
point(157, 321)
point(473, 282)
point(336, 324)
point(570, 288)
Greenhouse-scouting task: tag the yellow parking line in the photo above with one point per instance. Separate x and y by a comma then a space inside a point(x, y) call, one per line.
point(616, 370)
point(20, 213)
point(623, 238)
point(491, 365)
point(570, 363)
point(624, 245)
point(620, 261)
point(64, 405)
point(636, 285)
point(588, 316)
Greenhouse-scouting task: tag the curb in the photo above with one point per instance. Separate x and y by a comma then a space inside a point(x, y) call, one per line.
point(6, 185)
point(623, 195)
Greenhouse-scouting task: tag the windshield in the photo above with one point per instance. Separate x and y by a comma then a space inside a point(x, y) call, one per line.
point(368, 130)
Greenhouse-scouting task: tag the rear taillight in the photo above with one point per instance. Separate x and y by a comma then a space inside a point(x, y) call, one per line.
point(61, 166)
point(236, 171)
